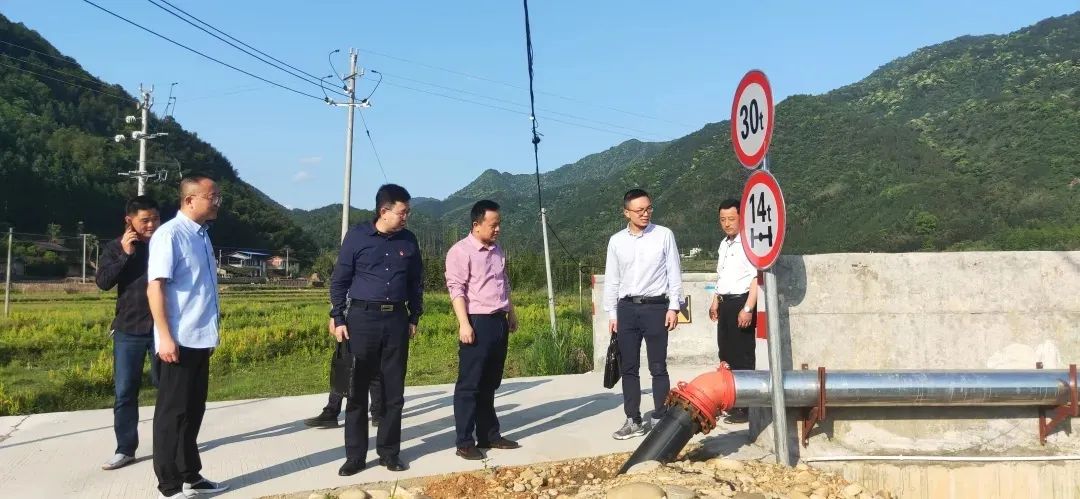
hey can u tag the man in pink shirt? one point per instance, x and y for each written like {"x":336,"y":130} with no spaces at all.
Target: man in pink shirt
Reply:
{"x":480,"y":293}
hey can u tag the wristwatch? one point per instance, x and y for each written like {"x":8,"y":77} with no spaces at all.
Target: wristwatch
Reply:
{"x":746,"y":309}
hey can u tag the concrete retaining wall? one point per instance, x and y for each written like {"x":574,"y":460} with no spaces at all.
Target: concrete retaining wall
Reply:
{"x":977,"y":310}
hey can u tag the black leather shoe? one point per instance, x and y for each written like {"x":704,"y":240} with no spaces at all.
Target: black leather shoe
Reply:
{"x":325,"y":419}
{"x":500,"y":443}
{"x":470,"y":453}
{"x":351,"y":467}
{"x":393,"y":463}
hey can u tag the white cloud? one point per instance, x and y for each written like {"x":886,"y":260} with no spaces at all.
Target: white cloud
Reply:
{"x":301,"y":176}
{"x":310,"y":160}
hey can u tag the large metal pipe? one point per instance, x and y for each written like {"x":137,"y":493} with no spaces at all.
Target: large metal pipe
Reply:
{"x":1033,"y":387}
{"x":693,"y":407}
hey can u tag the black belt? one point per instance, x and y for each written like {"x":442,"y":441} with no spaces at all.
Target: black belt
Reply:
{"x":733,"y":297}
{"x":496,"y":314}
{"x":645,"y":299}
{"x":382,"y":306}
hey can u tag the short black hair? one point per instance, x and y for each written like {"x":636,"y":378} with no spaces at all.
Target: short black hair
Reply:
{"x":388,"y":195}
{"x":480,"y":209}
{"x":140,"y":203}
{"x":633,"y":194}
{"x":193,"y":179}
{"x":728,"y":204}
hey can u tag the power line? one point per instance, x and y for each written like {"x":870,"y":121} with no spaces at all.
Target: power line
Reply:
{"x":508,"y":101}
{"x":125,"y":99}
{"x":372,"y":142}
{"x":519,"y":87}
{"x":59,"y":58}
{"x":50,"y":68}
{"x":174,"y":42}
{"x":311,"y":79}
{"x":501,"y":108}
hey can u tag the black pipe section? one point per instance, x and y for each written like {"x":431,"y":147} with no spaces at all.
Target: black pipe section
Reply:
{"x":664,"y":442}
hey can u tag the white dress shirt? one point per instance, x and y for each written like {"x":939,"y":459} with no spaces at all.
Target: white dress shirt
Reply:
{"x":734,"y":272}
{"x":645,"y":264}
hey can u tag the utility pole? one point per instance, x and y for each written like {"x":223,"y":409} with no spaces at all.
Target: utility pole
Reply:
{"x":547,"y":267}
{"x":287,"y":274}
{"x":350,"y":88}
{"x":144,"y":106}
{"x":84,"y":258}
{"x":146,"y":101}
{"x":7,"y":273}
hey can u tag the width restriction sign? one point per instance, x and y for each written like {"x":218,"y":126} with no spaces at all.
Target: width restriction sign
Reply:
{"x":763,"y":217}
{"x":752,"y":118}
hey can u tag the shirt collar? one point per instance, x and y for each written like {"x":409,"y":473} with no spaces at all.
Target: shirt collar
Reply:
{"x":189,"y":224}
{"x":477,"y":245}
{"x":648,"y":229}
{"x":732,"y":240}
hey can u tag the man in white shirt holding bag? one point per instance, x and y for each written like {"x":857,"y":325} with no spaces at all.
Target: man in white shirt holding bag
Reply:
{"x":642,"y":295}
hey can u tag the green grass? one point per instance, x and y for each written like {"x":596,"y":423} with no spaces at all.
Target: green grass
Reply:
{"x":56,"y":354}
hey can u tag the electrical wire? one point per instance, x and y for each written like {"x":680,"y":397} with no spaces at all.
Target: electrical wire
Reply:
{"x":174,"y":42}
{"x":127,"y":99}
{"x":372,"y":142}
{"x":511,"y":85}
{"x":306,"y":79}
{"x":515,"y":103}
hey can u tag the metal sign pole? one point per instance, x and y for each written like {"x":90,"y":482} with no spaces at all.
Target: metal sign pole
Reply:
{"x":776,"y":368}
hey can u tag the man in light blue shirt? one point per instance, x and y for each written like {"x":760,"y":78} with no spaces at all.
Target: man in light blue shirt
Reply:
{"x":182,"y":291}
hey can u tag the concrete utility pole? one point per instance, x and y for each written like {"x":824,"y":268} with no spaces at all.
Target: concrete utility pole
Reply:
{"x":145,"y":103}
{"x":7,"y":273}
{"x":84,"y":258}
{"x":350,"y":88}
{"x":144,"y":106}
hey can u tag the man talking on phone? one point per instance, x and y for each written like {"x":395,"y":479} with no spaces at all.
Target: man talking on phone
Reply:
{"x":123,"y":266}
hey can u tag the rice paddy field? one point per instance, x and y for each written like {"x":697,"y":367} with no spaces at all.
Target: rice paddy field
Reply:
{"x":56,"y":352}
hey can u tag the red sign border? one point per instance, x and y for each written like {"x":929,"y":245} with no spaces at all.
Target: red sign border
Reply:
{"x":763,"y":177}
{"x":752,"y":76}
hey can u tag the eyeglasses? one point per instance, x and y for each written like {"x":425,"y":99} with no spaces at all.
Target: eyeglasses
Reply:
{"x":648,"y":209}
{"x":215,"y":199}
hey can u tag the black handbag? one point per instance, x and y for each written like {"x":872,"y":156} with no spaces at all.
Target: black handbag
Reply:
{"x":343,"y":370}
{"x":611,"y":364}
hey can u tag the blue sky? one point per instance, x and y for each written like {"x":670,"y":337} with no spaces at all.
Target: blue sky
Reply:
{"x":627,"y":69}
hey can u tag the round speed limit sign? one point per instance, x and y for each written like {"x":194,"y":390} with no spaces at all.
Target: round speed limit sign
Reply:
{"x":763,"y":217}
{"x":752,"y":118}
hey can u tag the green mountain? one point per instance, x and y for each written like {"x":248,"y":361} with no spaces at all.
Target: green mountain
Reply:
{"x":969,"y":144}
{"x":60,"y":165}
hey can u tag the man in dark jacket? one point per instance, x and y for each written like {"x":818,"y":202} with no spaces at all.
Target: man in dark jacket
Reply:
{"x":123,"y":265}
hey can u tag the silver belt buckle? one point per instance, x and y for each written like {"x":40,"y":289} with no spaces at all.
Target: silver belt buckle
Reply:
{"x":386,"y":308}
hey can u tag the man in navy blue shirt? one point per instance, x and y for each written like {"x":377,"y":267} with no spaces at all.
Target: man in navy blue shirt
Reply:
{"x":378,"y":279}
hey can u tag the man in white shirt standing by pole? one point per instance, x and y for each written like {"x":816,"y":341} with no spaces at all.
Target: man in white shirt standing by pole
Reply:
{"x":642,"y":295}
{"x":734,"y":303}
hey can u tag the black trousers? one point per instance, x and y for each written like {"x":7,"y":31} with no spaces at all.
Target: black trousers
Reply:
{"x":637,"y":322}
{"x":736,"y":345}
{"x":333,"y":403}
{"x":480,"y":372}
{"x":178,"y":415}
{"x":381,"y":342}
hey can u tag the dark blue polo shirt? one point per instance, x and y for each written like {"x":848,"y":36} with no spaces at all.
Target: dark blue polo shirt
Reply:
{"x":380,"y":268}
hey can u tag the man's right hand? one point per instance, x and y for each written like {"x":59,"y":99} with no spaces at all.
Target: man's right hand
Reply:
{"x":168,"y":352}
{"x":714,"y":309}
{"x":127,"y":243}
{"x":341,"y":333}
{"x":613,"y":326}
{"x":466,"y":334}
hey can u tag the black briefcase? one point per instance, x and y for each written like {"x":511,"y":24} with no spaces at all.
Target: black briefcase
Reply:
{"x":611,"y":364}
{"x":343,"y":368}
